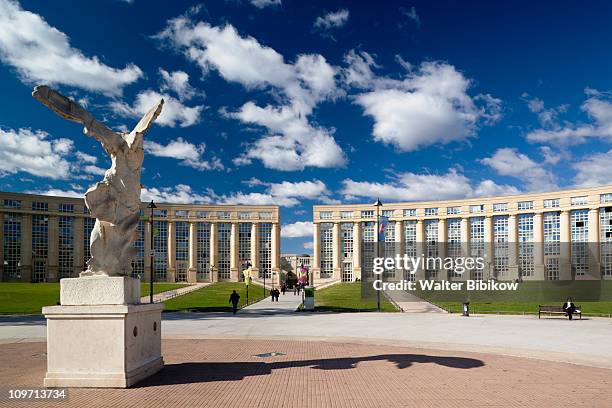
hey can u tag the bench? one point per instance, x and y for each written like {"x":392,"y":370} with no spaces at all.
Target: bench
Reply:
{"x":557,"y":310}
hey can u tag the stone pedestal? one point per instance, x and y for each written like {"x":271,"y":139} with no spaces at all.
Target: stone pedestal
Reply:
{"x":93,"y":344}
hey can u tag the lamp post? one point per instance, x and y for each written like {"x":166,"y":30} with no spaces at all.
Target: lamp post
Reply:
{"x":378,"y":204}
{"x":152,"y":206}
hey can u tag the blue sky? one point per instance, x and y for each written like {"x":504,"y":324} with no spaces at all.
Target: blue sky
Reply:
{"x":298,"y":103}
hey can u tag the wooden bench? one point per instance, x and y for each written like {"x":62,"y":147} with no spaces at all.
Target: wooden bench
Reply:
{"x":557,"y":310}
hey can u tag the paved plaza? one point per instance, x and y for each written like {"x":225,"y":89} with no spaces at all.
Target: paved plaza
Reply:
{"x":209,"y":373}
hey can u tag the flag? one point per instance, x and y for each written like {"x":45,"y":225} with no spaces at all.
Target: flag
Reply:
{"x":247,"y":276}
{"x":382,"y":225}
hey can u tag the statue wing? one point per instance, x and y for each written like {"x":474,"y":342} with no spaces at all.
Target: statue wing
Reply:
{"x":145,"y":123}
{"x":70,"y":110}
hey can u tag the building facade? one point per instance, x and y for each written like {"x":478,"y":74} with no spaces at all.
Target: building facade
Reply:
{"x":46,"y":238}
{"x":295,"y":261}
{"x":558,"y":235}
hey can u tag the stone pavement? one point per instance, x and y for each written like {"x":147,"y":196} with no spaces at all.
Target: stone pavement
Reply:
{"x":409,"y":303}
{"x":208,"y":373}
{"x":287,"y":304}
{"x":169,"y":294}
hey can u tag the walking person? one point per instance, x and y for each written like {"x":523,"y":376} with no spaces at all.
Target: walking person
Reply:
{"x":234,"y":299}
{"x":272,"y":294}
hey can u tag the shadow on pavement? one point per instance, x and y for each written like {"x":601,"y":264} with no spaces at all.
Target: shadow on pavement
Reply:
{"x":198,"y":372}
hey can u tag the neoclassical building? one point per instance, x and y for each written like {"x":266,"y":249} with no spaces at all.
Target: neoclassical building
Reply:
{"x":556,"y":235}
{"x":46,"y":238}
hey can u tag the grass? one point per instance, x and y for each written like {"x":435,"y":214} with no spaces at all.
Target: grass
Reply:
{"x":347,"y":297}
{"x":594,"y":298}
{"x":214,"y":298}
{"x":30,"y":298}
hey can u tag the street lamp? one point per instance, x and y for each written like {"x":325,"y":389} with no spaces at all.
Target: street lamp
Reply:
{"x":378,"y":204}
{"x":152,"y":206}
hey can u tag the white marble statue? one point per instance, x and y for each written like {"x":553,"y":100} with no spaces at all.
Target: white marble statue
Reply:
{"x":115,"y":201}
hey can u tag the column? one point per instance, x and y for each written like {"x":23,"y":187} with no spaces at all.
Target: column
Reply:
{"x":234,"y":252}
{"x":513,"y":268}
{"x":538,"y":248}
{"x":357,"y":250}
{"x":316,"y":252}
{"x":399,"y":246}
{"x":214,"y":271}
{"x":171,"y":270}
{"x":594,"y":260}
{"x":255,"y":249}
{"x":489,"y":254}
{"x":465,"y":245}
{"x":442,"y":238}
{"x":147,"y":252}
{"x":1,"y":247}
{"x":79,"y":253}
{"x":275,"y":249}
{"x":192,"y":272}
{"x":26,"y":248}
{"x":336,"y":251}
{"x":565,"y":264}
{"x":53,"y":249}
{"x":420,"y":248}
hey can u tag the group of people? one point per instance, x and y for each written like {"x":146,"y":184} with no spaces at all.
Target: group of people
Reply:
{"x":274,"y":294}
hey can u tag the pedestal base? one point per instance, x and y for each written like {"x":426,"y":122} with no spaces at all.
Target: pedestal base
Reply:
{"x":105,"y":346}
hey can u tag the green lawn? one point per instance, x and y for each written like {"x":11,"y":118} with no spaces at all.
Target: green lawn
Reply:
{"x":214,"y":298}
{"x":347,"y":297}
{"x":29,"y":298}
{"x":594,"y":297}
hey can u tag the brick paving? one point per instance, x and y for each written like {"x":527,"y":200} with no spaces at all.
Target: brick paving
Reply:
{"x":213,"y":373}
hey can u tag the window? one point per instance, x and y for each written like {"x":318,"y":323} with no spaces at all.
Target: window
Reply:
{"x":500,"y":242}
{"x":182,"y":240}
{"x":346,"y":235}
{"x":244,"y":247}
{"x":40,"y":246}
{"x":367,"y":214}
{"x":138,"y":261}
{"x":387,"y":213}
{"x":66,"y":247}
{"x":224,"y":215}
{"x":266,"y":215}
{"x":453,"y":231}
{"x":525,"y":237}
{"x":201,"y":214}
{"x":368,"y":248}
{"x":410,"y":245}
{"x":604,"y":198}
{"x":552,"y":203}
{"x":431,"y":211}
{"x":325,"y":215}
{"x":157,"y":213}
{"x":223,"y":250}
{"x":12,"y":245}
{"x":552,"y":268}
{"x":410,"y":212}
{"x":181,"y":214}
{"x":16,"y":203}
{"x":327,"y":250}
{"x":582,"y":200}
{"x":580,"y":239}
{"x":346,"y":214}
{"x":265,"y":250}
{"x":88,"y":224}
{"x":500,"y":207}
{"x":66,"y":208}
{"x":39,"y":206}
{"x":477,"y":243}
{"x":160,"y":247}
{"x":244,"y":215}
{"x":453,"y":210}
{"x":525,"y":205}
{"x":552,"y":234}
{"x":203,"y":251}
{"x":475,"y":209}
{"x":605,"y":225}
{"x":431,"y":237}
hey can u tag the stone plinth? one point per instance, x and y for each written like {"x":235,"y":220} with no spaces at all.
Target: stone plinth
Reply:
{"x":99,"y":290}
{"x":101,"y":336}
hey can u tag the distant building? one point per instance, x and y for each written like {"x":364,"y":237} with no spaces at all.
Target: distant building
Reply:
{"x":46,"y":238}
{"x":294,"y":261}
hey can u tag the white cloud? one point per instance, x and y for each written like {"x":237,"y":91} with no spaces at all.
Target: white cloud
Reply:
{"x":510,"y":162}
{"x":178,"y":82}
{"x":285,"y":193}
{"x":593,"y":170}
{"x":42,"y":54}
{"x":257,"y":199}
{"x":266,"y":3}
{"x":308,"y":245}
{"x":34,"y":152}
{"x":179,"y":194}
{"x":411,"y":14}
{"x":420,"y":187}
{"x":597,"y":107}
{"x":297,"y":229}
{"x":332,"y":19}
{"x":430,"y":105}
{"x":292,"y":142}
{"x":188,"y":153}
{"x":174,"y":112}
{"x":55,"y":192}
{"x":87,"y":158}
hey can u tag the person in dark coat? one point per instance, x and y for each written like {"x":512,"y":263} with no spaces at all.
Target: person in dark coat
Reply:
{"x":272,"y":294}
{"x":234,"y":299}
{"x":284,"y":288}
{"x":569,"y":308}
{"x":276,"y":293}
